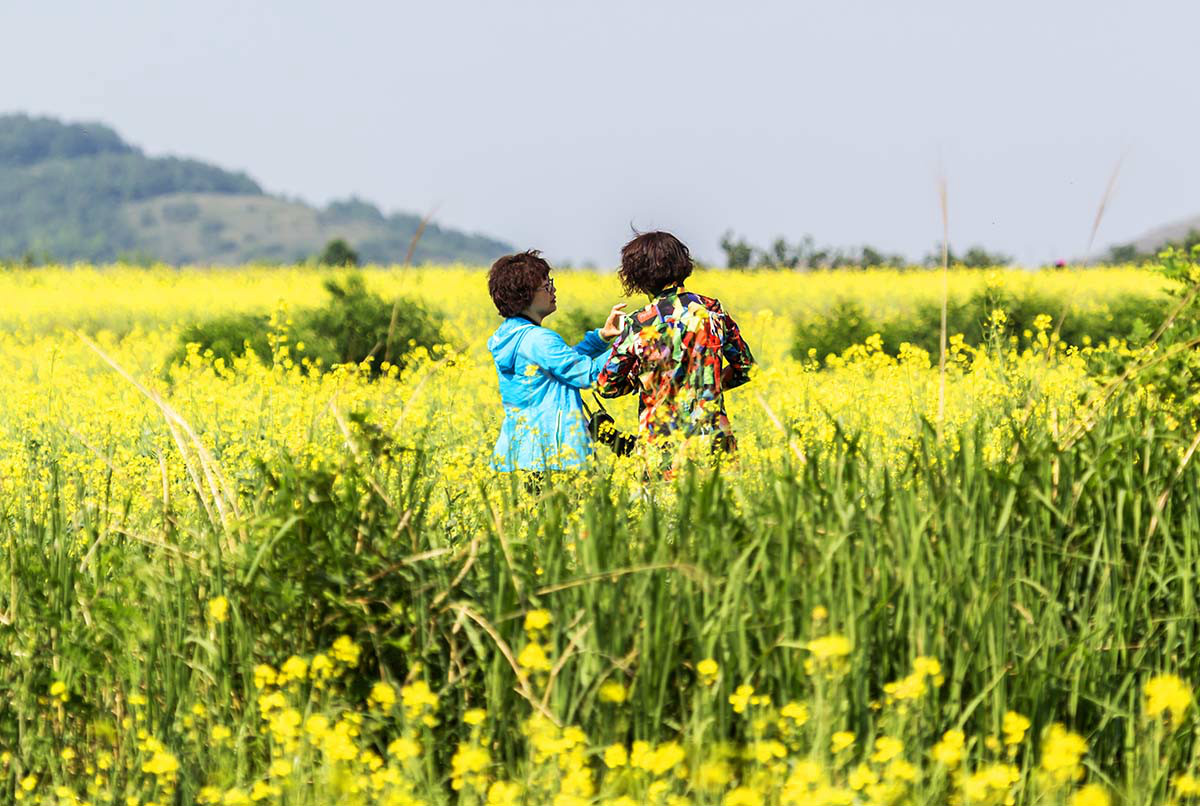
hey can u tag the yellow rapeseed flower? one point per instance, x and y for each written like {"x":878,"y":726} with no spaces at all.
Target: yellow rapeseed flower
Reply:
{"x":829,"y":647}
{"x":1090,"y":795}
{"x":929,"y":667}
{"x":886,"y":748}
{"x":418,"y":697}
{"x":537,"y":620}
{"x":294,"y":668}
{"x":742,"y":796}
{"x":234,"y":796}
{"x":161,"y":764}
{"x":345,"y":651}
{"x":316,"y":726}
{"x":615,"y":756}
{"x":404,"y":748}
{"x":828,"y":654}
{"x":861,"y":777}
{"x":1186,"y":784}
{"x":465,"y":765}
{"x":949,"y":751}
{"x":841,"y":740}
{"x":208,"y":794}
{"x":320,"y":669}
{"x":1167,"y":693}
{"x":1062,"y":753}
{"x":261,"y":790}
{"x":713,"y":775}
{"x":533,"y":657}
{"x":504,"y":793}
{"x":612,"y":691}
{"x":1014,"y":727}
{"x":264,"y":676}
{"x":766,"y":751}
{"x":218,"y":609}
{"x":382,"y":696}
{"x":740,"y":698}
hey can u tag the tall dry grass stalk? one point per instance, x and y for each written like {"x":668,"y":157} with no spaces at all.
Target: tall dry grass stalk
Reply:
{"x":1087,"y":252}
{"x":945,"y":204}
{"x":408,"y":256}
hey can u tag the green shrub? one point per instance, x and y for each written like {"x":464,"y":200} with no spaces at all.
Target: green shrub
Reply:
{"x":226,"y":336}
{"x":847,"y":323}
{"x":574,"y":323}
{"x":353,"y":326}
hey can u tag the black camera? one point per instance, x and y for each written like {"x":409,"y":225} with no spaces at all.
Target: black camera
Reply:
{"x":603,"y":429}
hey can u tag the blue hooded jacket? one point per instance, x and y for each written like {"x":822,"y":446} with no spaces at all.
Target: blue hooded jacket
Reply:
{"x":540,"y":379}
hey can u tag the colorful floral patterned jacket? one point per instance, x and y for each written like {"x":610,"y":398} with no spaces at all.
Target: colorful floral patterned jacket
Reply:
{"x":672,"y":353}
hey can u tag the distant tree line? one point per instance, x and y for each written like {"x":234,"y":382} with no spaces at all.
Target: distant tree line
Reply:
{"x":806,"y":254}
{"x":1129,"y":253}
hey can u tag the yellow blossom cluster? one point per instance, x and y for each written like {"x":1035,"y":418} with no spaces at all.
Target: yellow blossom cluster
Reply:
{"x":95,"y":412}
{"x":323,"y":746}
{"x":111,"y":410}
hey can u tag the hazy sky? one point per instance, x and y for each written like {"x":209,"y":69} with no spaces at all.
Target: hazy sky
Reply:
{"x":558,"y":125}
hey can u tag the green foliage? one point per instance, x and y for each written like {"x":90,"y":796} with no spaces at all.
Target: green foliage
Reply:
{"x":847,"y":323}
{"x":335,"y":564}
{"x":574,"y":323}
{"x":738,"y":253}
{"x":338,"y":253}
{"x":72,"y":207}
{"x":976,"y":257}
{"x":1124,"y":253}
{"x":353,"y":326}
{"x":843,"y":325}
{"x":357,"y":324}
{"x":1032,"y":580}
{"x":1129,"y":253}
{"x":1171,"y":368}
{"x":804,"y":254}
{"x":226,"y":337}
{"x":62,"y":187}
{"x":27,"y":140}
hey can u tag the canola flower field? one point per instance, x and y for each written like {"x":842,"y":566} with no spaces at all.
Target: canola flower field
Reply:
{"x":250,"y":581}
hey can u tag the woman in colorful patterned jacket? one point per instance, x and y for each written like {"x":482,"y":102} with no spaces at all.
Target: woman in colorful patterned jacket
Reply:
{"x":540,"y":375}
{"x":680,"y":353}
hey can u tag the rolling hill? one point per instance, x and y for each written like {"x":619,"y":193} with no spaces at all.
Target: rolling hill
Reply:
{"x":80,"y":192}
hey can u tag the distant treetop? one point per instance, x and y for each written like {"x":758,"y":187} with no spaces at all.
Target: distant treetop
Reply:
{"x":27,"y":140}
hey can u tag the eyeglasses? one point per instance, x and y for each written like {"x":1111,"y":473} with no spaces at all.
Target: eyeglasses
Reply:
{"x":548,"y":285}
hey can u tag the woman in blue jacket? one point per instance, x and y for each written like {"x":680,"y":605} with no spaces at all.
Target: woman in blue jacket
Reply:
{"x":540,"y":375}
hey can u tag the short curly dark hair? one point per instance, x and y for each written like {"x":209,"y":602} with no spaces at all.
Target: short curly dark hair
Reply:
{"x":653,"y":262}
{"x":514,"y":279}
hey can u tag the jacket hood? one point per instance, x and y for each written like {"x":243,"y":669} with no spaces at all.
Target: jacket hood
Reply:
{"x":503,"y":343}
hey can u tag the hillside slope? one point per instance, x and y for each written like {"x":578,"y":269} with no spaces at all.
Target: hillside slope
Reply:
{"x":79,"y":192}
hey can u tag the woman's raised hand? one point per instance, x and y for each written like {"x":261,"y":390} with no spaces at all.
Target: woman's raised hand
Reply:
{"x":614,"y":323}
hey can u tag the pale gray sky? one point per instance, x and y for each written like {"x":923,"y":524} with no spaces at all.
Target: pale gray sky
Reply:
{"x":559,"y":124}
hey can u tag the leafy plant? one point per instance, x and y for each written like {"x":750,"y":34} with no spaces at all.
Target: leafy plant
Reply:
{"x":355,"y":325}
